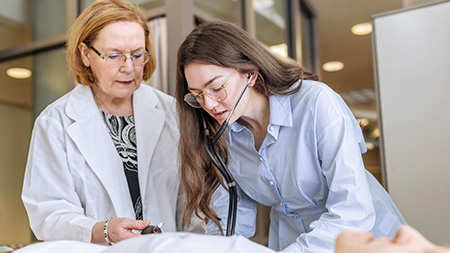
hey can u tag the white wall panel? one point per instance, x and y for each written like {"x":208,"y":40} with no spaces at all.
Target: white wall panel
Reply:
{"x":412,"y":59}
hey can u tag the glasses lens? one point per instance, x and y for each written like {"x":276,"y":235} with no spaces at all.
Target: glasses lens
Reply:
{"x":217,"y":93}
{"x":193,"y":100}
{"x":139,"y":58}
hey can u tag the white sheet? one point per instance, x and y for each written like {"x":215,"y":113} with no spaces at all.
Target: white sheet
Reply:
{"x":165,"y":242}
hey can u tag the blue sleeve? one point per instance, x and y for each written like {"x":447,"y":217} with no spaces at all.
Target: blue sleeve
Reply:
{"x":349,"y":204}
{"x":245,"y":215}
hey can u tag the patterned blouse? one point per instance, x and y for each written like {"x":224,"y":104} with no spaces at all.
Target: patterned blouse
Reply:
{"x":123,"y":134}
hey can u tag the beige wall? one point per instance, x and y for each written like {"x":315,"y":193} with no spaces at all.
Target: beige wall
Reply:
{"x":15,"y":131}
{"x":15,"y":134}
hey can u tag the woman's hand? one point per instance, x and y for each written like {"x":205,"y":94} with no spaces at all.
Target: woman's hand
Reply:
{"x":118,"y":229}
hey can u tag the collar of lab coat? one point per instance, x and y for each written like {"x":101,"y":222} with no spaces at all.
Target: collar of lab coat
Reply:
{"x":89,"y":133}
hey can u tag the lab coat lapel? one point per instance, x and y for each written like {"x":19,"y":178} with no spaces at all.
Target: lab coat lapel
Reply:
{"x":149,"y":122}
{"x":90,"y":135}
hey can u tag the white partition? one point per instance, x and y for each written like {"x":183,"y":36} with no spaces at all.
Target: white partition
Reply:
{"x":412,"y":60}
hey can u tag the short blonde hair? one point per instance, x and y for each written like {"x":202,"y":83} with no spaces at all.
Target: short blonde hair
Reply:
{"x":91,"y":21}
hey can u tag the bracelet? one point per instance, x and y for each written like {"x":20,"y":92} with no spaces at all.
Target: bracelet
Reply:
{"x":105,"y":231}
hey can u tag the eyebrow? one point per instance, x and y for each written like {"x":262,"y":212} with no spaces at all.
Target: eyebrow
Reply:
{"x":207,"y":83}
{"x":118,"y":50}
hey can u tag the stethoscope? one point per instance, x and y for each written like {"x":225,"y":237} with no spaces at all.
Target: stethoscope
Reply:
{"x":209,"y":144}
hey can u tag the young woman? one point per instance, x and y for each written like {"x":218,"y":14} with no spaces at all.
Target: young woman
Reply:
{"x":292,"y":144}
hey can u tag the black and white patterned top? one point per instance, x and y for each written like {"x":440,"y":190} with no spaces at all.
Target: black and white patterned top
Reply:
{"x":123,"y":133}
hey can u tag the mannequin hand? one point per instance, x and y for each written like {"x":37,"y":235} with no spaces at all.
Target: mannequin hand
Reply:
{"x":407,"y":240}
{"x":416,"y":241}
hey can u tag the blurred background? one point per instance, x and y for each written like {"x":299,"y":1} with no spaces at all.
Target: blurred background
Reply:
{"x":317,"y":33}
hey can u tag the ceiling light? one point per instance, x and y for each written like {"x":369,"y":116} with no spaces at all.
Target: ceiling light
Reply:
{"x":375,"y":133}
{"x":363,"y":122}
{"x":280,"y":49}
{"x":370,"y":145}
{"x":18,"y":73}
{"x":332,"y":66}
{"x":259,"y":4}
{"x":362,"y":29}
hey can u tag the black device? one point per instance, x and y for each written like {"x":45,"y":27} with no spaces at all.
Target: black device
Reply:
{"x":152,"y":229}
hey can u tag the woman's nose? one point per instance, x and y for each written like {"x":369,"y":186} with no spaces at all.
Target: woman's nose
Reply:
{"x":128,"y":65}
{"x":209,"y":103}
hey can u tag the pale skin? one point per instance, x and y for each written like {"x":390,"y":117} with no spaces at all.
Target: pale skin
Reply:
{"x":113,"y":94}
{"x":116,"y":84}
{"x":407,"y":240}
{"x":253,"y":110}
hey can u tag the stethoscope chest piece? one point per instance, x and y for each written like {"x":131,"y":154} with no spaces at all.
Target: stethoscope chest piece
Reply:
{"x":152,"y":229}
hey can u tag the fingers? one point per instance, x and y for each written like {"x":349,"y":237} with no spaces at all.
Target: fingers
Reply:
{"x":355,"y":236}
{"x":141,"y":224}
{"x":403,"y":235}
{"x":407,"y":235}
{"x":351,"y":241}
{"x":122,"y":228}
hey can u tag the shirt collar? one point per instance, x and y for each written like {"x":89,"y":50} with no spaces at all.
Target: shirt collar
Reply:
{"x":280,"y":111}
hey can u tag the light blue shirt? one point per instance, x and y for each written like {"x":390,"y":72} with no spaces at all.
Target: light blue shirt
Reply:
{"x":309,"y":169}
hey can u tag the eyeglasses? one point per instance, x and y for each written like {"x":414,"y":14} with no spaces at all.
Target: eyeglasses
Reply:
{"x":214,"y":91}
{"x":117,"y":59}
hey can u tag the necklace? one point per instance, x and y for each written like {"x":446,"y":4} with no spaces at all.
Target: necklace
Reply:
{"x":124,"y":152}
{"x":104,"y":107}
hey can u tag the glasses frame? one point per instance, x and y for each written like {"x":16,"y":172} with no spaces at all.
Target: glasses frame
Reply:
{"x":105,"y":57}
{"x":209,"y":93}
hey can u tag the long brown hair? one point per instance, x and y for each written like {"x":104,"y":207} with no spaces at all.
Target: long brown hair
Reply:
{"x":91,"y":21}
{"x":227,"y":45}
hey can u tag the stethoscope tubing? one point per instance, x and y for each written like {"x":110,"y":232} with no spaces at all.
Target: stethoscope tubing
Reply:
{"x":221,"y":166}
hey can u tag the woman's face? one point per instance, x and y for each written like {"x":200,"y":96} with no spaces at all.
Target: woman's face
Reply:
{"x":116,"y":82}
{"x":200,"y":76}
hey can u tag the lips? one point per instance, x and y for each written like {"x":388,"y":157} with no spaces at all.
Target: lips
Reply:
{"x":126,"y":82}
{"x":220,"y":115}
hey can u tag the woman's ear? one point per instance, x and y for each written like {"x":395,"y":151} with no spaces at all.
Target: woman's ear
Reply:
{"x":84,"y":52}
{"x":255,"y":75}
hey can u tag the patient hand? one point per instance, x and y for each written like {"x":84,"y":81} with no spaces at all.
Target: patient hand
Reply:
{"x":354,"y":242}
{"x":407,"y":240}
{"x":409,"y":236}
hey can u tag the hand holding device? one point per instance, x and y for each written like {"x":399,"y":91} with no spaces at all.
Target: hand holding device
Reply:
{"x":152,"y":229}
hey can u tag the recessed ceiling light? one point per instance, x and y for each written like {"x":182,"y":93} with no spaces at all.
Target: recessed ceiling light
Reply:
{"x":362,"y":29}
{"x":332,"y":66}
{"x":259,"y":4}
{"x":370,"y":145}
{"x":18,"y":73}
{"x":363,"y":122}
{"x":280,"y":49}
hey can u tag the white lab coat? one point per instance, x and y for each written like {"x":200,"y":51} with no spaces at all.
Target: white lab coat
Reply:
{"x":75,"y":177}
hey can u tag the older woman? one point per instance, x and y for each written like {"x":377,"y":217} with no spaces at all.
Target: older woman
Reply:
{"x":107,"y":149}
